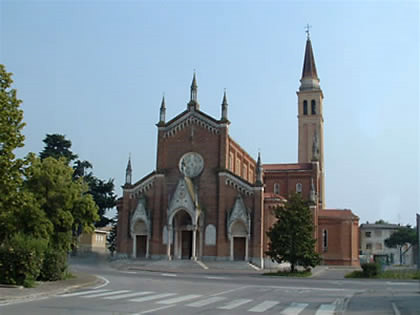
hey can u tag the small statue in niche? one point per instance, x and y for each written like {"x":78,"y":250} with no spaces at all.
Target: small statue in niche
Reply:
{"x":315,"y":147}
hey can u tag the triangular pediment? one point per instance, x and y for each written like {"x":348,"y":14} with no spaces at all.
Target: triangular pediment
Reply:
{"x":140,"y":213}
{"x":182,"y":198}
{"x":187,"y":118}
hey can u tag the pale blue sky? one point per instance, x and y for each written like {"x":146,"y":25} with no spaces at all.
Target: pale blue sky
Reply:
{"x":96,"y":70}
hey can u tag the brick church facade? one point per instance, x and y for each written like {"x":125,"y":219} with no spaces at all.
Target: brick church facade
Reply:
{"x":208,"y":199}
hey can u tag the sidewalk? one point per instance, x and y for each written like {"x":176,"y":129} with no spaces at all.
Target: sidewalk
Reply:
{"x":14,"y":294}
{"x":184,"y":266}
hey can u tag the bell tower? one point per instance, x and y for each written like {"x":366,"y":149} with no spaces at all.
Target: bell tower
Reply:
{"x":310,"y":117}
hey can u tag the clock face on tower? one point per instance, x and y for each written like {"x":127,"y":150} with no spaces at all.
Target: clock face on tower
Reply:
{"x":191,"y":164}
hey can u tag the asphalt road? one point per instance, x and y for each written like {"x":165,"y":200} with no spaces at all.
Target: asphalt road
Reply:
{"x":140,"y":292}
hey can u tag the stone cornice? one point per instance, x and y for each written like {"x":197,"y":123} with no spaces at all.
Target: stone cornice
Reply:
{"x":142,"y":186}
{"x":239,"y":184}
{"x":191,"y":117}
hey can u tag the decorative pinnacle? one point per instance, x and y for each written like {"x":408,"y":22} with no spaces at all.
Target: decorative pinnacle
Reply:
{"x":194,"y":81}
{"x":163,"y":105}
{"x":224,"y":102}
{"x":129,"y":163}
{"x":194,"y":89}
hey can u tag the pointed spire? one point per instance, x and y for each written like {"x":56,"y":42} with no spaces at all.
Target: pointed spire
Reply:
{"x":128,"y":171}
{"x":259,"y":179}
{"x":224,"y":107}
{"x":162,"y":111}
{"x":309,"y":67}
{"x":193,"y":104}
{"x":194,"y":89}
{"x":309,"y":78}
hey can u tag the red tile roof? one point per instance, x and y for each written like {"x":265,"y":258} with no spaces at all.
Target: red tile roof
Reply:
{"x":338,"y":213}
{"x":287,"y":167}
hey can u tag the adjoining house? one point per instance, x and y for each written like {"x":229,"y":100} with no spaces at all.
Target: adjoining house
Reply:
{"x":373,"y":248}
{"x":94,"y":242}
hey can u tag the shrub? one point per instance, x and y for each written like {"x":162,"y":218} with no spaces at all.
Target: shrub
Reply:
{"x":21,"y":259}
{"x":54,"y":266}
{"x":370,"y":269}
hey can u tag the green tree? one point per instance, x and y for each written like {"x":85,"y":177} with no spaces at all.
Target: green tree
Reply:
{"x":65,"y":201}
{"x":291,"y":237}
{"x":57,"y":146}
{"x":103,"y":194}
{"x":112,"y":237}
{"x":11,"y":138}
{"x":404,"y":235}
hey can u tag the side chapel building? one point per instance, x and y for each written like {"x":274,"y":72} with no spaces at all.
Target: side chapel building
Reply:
{"x":209,"y":199}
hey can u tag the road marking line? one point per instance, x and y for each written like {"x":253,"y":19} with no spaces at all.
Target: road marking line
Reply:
{"x":180,"y":299}
{"x":262,"y":307}
{"x":326,"y":309}
{"x":154,"y":310}
{"x":294,"y":309}
{"x":395,"y":308}
{"x":231,"y":290}
{"x":207,"y":301}
{"x":234,"y":304}
{"x":202,"y":265}
{"x":398,"y":283}
{"x":123,"y":296}
{"x":307,"y":288}
{"x":216,"y":278}
{"x":152,"y":297}
{"x":103,"y":284}
{"x":254,"y":267}
{"x":89,"y":296}
{"x":81,"y":293}
{"x":168,"y":274}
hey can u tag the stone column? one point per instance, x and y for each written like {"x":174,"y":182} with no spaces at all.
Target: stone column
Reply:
{"x":147,"y":246}
{"x":134,"y":252}
{"x":231,"y":248}
{"x":201,"y":239}
{"x":168,"y":246}
{"x":246,"y":248}
{"x":194,"y":243}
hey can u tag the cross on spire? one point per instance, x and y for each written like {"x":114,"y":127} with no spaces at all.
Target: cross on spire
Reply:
{"x":307,"y":28}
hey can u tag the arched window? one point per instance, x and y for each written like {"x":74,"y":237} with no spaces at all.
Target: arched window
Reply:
{"x":277,"y":188}
{"x":305,"y":107}
{"x":313,"y":107}
{"x":324,"y":240}
{"x":298,"y":187}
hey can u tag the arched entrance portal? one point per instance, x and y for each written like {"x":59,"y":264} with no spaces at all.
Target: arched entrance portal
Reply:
{"x":238,"y":241}
{"x":184,"y":234}
{"x":140,"y":240}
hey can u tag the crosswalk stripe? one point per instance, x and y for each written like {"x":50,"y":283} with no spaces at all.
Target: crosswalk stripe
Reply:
{"x":180,"y":299}
{"x":152,"y":297}
{"x":123,"y":296}
{"x":207,"y":301}
{"x":326,"y":309}
{"x":81,"y":293}
{"x":89,"y":296}
{"x":262,"y":307}
{"x":294,"y":309}
{"x":234,"y":304}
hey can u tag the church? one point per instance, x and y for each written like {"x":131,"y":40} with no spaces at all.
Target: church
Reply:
{"x":208,"y":199}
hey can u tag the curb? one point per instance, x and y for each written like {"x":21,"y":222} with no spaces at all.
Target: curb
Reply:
{"x":8,"y":300}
